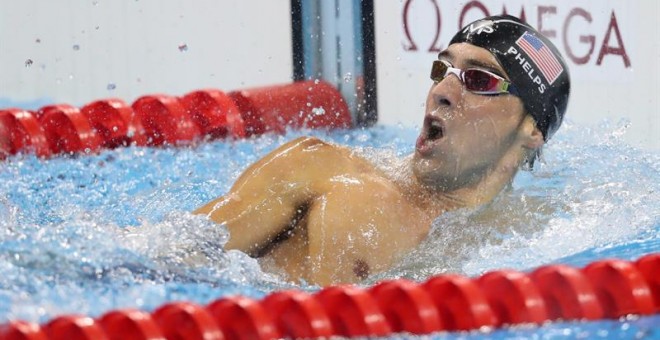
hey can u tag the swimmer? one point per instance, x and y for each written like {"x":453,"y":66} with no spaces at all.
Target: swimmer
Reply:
{"x":326,"y":215}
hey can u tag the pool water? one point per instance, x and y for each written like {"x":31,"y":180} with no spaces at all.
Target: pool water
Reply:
{"x":90,"y":233}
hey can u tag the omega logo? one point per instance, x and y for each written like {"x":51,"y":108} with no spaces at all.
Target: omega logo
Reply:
{"x":611,"y":45}
{"x":412,"y":46}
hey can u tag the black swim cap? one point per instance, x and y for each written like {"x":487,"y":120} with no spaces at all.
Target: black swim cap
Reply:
{"x":532,"y":62}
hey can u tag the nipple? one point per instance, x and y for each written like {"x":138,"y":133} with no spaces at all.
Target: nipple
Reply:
{"x":361,"y":269}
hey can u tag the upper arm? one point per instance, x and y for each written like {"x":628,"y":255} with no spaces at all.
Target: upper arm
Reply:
{"x":265,"y":198}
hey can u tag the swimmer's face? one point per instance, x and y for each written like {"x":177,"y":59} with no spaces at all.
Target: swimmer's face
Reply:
{"x":465,"y":135}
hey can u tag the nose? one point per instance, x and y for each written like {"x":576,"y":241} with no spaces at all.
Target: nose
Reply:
{"x":447,"y":92}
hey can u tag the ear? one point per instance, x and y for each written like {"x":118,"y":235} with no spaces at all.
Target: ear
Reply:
{"x":532,"y":137}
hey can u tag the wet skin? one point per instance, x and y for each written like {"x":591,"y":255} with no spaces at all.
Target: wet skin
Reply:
{"x":321,"y":213}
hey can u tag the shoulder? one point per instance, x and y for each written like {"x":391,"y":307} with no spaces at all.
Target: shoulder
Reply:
{"x":309,"y":144}
{"x":305,"y":141}
{"x":301,"y":144}
{"x":314,"y":147}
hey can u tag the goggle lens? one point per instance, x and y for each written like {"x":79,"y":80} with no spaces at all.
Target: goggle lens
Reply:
{"x":438,"y":70}
{"x":476,"y":80}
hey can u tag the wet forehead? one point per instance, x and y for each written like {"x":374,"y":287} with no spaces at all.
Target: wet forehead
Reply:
{"x":464,"y":55}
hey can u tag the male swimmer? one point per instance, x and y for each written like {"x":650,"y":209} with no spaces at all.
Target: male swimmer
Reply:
{"x":326,"y":215}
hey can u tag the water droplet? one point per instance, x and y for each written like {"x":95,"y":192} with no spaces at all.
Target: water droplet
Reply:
{"x":76,"y":47}
{"x":71,"y":76}
{"x":88,"y":150}
{"x":318,"y":111}
{"x":95,"y":3}
{"x":316,"y":81}
{"x":115,"y":128}
{"x":183,"y":47}
{"x":111,"y":86}
{"x":309,"y":104}
{"x":28,"y":62}
{"x":348,"y":77}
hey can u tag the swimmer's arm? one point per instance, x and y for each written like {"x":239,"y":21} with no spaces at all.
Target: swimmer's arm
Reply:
{"x":254,"y":222}
{"x":267,"y":197}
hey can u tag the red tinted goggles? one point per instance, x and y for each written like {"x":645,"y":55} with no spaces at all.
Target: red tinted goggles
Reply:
{"x":476,"y":80}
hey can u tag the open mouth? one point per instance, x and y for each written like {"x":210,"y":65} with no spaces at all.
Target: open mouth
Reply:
{"x":433,"y":131}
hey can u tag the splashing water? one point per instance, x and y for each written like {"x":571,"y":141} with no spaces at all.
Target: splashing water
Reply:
{"x":114,"y":230}
{"x":348,"y":77}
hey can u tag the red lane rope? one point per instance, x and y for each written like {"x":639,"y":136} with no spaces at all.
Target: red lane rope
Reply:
{"x":159,"y":119}
{"x":603,"y":289}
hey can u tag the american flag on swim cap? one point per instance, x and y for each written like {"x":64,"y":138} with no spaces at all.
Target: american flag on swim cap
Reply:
{"x":541,"y":56}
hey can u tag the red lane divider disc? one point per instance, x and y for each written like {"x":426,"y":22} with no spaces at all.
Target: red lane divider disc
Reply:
{"x":67,"y":129}
{"x":353,"y":312}
{"x":567,"y":293}
{"x":649,"y":266}
{"x":513,"y":297}
{"x":115,"y":122}
{"x":73,"y":327}
{"x":460,"y":302}
{"x":165,"y":120}
{"x":21,"y":330}
{"x":304,"y":104}
{"x":185,"y":320}
{"x":620,"y":287}
{"x":20,"y":131}
{"x":242,"y":318}
{"x":299,"y":315}
{"x":130,"y":324}
{"x":215,"y":113}
{"x":407,"y":307}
